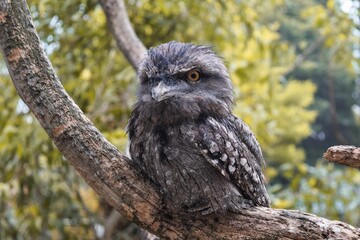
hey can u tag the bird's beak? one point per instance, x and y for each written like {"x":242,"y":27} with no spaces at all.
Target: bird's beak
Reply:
{"x":162,"y":91}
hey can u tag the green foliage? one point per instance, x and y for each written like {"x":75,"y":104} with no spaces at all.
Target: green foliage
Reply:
{"x":36,"y":183}
{"x":42,"y":197}
{"x":41,"y":194}
{"x":328,"y":36}
{"x":323,"y":190}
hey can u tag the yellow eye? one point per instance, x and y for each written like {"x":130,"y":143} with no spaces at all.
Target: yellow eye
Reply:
{"x":193,"y":75}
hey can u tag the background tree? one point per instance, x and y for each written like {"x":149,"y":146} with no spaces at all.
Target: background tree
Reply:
{"x":326,"y":41}
{"x":34,"y":197}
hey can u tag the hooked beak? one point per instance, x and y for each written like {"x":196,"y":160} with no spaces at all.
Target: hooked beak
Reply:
{"x":162,"y":91}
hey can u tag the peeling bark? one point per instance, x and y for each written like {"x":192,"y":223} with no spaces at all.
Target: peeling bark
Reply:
{"x":346,"y":155}
{"x":110,"y":173}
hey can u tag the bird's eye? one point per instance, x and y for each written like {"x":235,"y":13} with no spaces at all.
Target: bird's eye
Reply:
{"x":193,"y":75}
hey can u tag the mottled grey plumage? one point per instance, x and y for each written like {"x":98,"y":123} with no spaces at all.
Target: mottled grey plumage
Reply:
{"x":184,"y":137}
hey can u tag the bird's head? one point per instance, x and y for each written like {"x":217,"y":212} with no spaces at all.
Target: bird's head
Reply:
{"x":187,"y":78}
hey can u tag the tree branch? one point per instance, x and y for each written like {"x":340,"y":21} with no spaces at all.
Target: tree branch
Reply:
{"x":120,"y":26}
{"x":110,"y":173}
{"x":346,"y":155}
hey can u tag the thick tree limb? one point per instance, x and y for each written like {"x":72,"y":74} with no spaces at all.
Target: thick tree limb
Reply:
{"x":110,"y":174}
{"x":126,"y":39}
{"x":346,"y":155}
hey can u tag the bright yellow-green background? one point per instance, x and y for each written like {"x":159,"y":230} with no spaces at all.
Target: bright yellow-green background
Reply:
{"x":283,"y":98}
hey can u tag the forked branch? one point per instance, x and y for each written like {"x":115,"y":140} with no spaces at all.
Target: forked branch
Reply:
{"x":110,"y":174}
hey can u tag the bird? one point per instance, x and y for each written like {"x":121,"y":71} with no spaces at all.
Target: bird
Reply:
{"x":184,"y":138}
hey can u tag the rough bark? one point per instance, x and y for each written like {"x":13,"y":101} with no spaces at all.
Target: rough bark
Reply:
{"x":129,"y":44}
{"x":110,"y":174}
{"x":346,"y":155}
{"x":126,"y":39}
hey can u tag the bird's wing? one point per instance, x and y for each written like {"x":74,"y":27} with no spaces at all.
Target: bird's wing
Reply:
{"x":244,"y":133}
{"x":231,"y":147}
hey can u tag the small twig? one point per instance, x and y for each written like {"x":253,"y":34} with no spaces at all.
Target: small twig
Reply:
{"x":346,"y":155}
